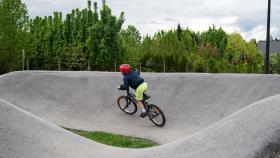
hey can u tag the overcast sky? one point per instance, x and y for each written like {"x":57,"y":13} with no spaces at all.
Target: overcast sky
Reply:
{"x":245,"y":16}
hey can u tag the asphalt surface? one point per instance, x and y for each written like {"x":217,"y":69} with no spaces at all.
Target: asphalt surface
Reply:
{"x":208,"y":115}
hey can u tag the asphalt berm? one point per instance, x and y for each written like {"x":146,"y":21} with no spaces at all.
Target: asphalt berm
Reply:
{"x":208,"y":115}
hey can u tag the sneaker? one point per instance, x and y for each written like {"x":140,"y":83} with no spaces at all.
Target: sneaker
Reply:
{"x":143,"y":114}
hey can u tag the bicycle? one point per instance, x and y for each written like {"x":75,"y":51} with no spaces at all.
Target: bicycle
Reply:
{"x":128,"y":104}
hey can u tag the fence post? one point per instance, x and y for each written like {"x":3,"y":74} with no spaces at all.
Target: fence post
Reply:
{"x":27,"y":62}
{"x":207,"y":68}
{"x":115,"y":66}
{"x":59,"y":64}
{"x":23,"y":58}
{"x":164,"y":66}
{"x":88,"y":66}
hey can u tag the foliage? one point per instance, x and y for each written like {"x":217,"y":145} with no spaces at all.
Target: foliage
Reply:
{"x":275,"y":63}
{"x":216,"y":38}
{"x":242,"y":57}
{"x":93,"y":39}
{"x":13,"y":31}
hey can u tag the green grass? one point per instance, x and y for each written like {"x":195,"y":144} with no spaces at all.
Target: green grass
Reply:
{"x":115,"y":139}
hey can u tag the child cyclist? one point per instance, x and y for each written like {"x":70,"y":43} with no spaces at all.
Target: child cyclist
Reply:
{"x":132,"y":79}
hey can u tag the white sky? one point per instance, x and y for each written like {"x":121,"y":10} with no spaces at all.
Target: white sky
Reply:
{"x":245,"y":16}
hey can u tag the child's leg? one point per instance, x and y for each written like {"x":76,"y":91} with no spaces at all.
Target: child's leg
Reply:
{"x":139,"y":95}
{"x":140,"y":105}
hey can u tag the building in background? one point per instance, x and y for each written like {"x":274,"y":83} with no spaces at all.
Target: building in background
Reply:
{"x":274,"y":47}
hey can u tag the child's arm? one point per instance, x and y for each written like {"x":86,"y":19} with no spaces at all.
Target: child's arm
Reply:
{"x":125,"y":86}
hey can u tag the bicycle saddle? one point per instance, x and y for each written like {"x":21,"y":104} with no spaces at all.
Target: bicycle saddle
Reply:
{"x":146,"y":97}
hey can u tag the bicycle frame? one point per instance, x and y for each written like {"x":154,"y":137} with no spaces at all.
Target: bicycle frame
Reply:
{"x":132,"y":97}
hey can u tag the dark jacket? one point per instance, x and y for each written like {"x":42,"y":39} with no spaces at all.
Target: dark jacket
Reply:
{"x":132,"y":79}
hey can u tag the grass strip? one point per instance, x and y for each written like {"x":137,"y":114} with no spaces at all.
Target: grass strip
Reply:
{"x":114,"y":139}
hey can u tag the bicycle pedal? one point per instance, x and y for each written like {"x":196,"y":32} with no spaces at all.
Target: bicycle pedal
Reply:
{"x":143,"y":115}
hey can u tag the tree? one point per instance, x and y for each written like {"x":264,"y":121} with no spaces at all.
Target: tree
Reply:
{"x":103,"y":39}
{"x":216,"y":38}
{"x":130,"y":42}
{"x":235,"y":49}
{"x":275,"y":64}
{"x":253,"y":57}
{"x":93,"y":38}
{"x":179,"y":32}
{"x":13,"y":28}
{"x":73,"y":59}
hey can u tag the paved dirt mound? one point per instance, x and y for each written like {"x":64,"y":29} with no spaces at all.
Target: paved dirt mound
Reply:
{"x":208,"y":115}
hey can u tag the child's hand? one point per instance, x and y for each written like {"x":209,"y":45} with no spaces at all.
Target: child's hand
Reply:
{"x":121,"y":87}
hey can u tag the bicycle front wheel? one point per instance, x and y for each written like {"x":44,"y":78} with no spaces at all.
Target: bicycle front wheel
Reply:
{"x":156,"y":115}
{"x":127,"y":105}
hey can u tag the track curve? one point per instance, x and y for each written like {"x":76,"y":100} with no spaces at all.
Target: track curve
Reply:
{"x":208,"y":115}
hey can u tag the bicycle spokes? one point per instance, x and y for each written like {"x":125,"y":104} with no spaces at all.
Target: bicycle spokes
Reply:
{"x":156,"y":115}
{"x":127,"y":105}
{"x":153,"y":114}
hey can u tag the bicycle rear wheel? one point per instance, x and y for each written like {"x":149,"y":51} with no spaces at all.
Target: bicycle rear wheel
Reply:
{"x":156,"y":115}
{"x":127,"y":105}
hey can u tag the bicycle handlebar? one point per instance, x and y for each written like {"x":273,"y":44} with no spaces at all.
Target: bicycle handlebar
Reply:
{"x":123,"y":89}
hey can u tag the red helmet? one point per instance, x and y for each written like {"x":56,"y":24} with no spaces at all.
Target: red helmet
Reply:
{"x":125,"y":68}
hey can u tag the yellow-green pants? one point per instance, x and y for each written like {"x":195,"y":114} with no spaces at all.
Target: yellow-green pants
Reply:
{"x":140,"y":90}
